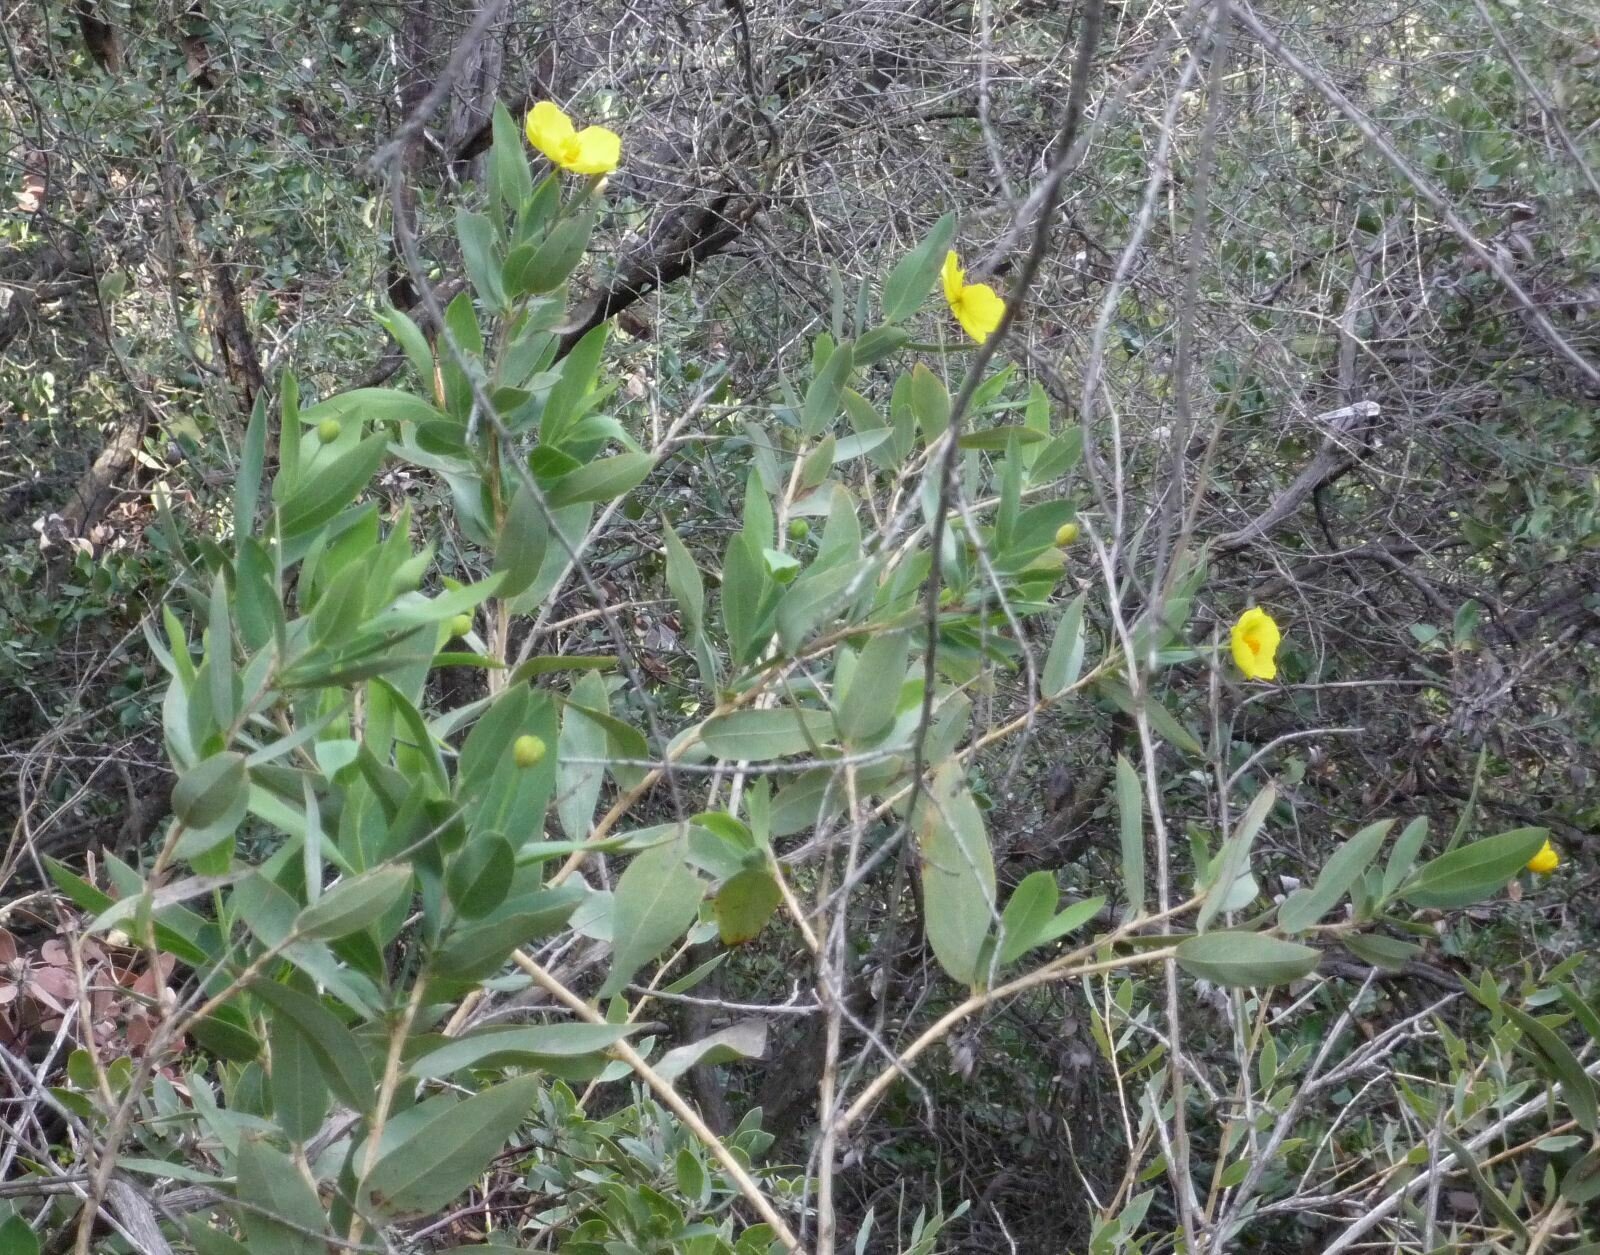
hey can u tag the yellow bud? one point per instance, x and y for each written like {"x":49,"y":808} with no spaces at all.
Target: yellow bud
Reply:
{"x":328,"y":430}
{"x":460,"y":625}
{"x":528,"y":750}
{"x":1066,"y":534}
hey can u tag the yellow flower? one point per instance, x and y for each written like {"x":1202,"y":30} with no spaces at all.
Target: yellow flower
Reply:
{"x":1255,"y":644}
{"x":593,"y":150}
{"x":976,"y":306}
{"x":1545,"y":861}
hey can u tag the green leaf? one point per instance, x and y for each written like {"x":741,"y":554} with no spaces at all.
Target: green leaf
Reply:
{"x":998,"y":438}
{"x":1581,"y":1183}
{"x":683,"y":579}
{"x":744,"y":1040}
{"x":604,"y":480}
{"x":1496,"y":1201}
{"x":1233,"y":860}
{"x":1388,"y":953}
{"x":226,"y":1034}
{"x":480,"y":875}
{"x":582,"y":737}
{"x":574,"y":387}
{"x":817,"y":464}
{"x":209,"y":791}
{"x":1070,"y":920}
{"x":299,"y":1093}
{"x":1162,"y":720}
{"x":344,"y":1064}
{"x":930,"y":402}
{"x":1585,"y":1014}
{"x":1130,"y":828}
{"x":553,"y":664}
{"x":219,"y":655}
{"x":503,"y":1046}
{"x":879,"y":343}
{"x":481,"y":950}
{"x":437,"y":1157}
{"x":1559,"y":1062}
{"x":1246,"y":960}
{"x":252,"y":459}
{"x":16,"y":1238}
{"x":522,"y":544}
{"x":744,"y":904}
{"x":327,"y":491}
{"x":341,"y":606}
{"x":958,"y":883}
{"x":1028,"y":912}
{"x":1064,"y":663}
{"x":690,"y":1176}
{"x":809,"y":800}
{"x":1055,"y":459}
{"x":412,"y":343}
{"x":509,"y":165}
{"x":874,"y":689}
{"x":1304,"y":907}
{"x":824,"y":396}
{"x":1472,"y":872}
{"x":274,"y":1192}
{"x":205,"y":1239}
{"x":546,"y":267}
{"x":477,"y":237}
{"x":657,"y":897}
{"x":744,"y":582}
{"x":1406,"y":847}
{"x":814,"y":598}
{"x":355,"y":902}
{"x":288,"y":476}
{"x":757,"y":735}
{"x":915,"y":274}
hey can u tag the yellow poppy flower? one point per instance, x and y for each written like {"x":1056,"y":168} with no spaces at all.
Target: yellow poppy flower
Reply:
{"x":593,"y":150}
{"x":976,"y":306}
{"x":1255,"y":644}
{"x":1545,"y":861}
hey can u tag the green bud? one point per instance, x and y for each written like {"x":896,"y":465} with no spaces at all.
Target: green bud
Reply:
{"x":528,"y":750}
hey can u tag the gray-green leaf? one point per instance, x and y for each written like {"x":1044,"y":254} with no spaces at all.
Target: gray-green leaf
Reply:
{"x":440,"y":1156}
{"x":1242,"y":960}
{"x":656,"y":899}
{"x":1473,"y":872}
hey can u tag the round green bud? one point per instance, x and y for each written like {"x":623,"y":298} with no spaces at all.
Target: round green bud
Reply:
{"x":528,"y":750}
{"x":460,"y":625}
{"x":1066,"y":534}
{"x":799,"y":529}
{"x":328,"y":430}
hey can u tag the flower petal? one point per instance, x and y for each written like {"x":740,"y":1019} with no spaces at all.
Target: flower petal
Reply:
{"x":954,"y":278}
{"x":549,"y":129}
{"x":1254,"y":640}
{"x":598,"y":151}
{"x":979,"y":311}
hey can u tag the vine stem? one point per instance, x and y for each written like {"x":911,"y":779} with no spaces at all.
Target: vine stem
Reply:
{"x":386,"y":1091}
{"x":1066,"y":967}
{"x":665,"y":1091}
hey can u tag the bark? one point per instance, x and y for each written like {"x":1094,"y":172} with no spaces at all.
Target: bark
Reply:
{"x":99,"y":36}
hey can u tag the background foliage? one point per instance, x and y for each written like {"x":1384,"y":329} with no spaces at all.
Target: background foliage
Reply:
{"x":847,"y":758}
